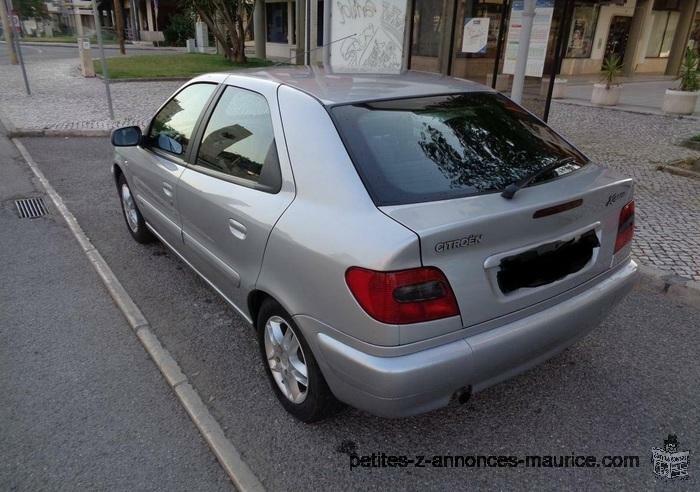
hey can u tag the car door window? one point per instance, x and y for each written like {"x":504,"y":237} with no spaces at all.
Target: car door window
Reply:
{"x":172,"y":127}
{"x":239,"y":140}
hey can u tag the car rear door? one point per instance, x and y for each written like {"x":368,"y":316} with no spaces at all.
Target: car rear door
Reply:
{"x":162,"y":158}
{"x":236,"y":186}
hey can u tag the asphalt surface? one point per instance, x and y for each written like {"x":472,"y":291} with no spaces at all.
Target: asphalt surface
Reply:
{"x":34,"y":53}
{"x":620,"y":391}
{"x":82,"y":405}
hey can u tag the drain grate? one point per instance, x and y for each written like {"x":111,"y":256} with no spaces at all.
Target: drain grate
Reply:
{"x":31,"y":208}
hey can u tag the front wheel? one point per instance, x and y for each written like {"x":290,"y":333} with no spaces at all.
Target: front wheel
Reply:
{"x":291,"y":367}
{"x":132,"y":215}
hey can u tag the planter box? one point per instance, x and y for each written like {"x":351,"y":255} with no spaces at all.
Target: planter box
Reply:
{"x":605,"y":97}
{"x":679,"y":102}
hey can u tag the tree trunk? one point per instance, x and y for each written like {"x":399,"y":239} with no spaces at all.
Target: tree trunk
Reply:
{"x":119,"y":24}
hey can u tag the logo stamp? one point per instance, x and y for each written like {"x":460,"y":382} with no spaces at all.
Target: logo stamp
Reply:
{"x":668,"y":461}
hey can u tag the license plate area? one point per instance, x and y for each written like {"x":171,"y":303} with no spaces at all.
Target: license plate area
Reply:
{"x":546,"y":263}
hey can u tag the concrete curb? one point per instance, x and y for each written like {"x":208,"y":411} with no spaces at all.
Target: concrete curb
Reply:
{"x":13,"y":132}
{"x":683,"y":289}
{"x":678,"y":171}
{"x":626,"y":109}
{"x":230,"y":459}
{"x":108,"y":46}
{"x":49,"y":132}
{"x":151,"y":79}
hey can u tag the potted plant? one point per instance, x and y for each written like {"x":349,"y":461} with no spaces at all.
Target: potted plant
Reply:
{"x":607,"y":92}
{"x":684,"y":100}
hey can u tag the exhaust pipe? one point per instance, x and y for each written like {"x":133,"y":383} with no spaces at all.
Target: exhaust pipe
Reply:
{"x":463,"y":395}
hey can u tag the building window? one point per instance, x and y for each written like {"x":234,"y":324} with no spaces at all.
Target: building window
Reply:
{"x":582,"y":31}
{"x":276,"y":22}
{"x":427,"y":28}
{"x":663,"y":29}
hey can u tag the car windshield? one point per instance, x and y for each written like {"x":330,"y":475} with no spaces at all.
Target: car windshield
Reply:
{"x":450,"y":146}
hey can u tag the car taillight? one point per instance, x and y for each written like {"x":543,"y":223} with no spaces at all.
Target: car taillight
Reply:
{"x":404,"y":296}
{"x":625,"y":228}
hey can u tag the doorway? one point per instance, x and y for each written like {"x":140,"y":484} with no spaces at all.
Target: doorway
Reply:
{"x":617,"y":36}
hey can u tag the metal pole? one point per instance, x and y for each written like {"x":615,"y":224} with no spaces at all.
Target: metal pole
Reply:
{"x":505,"y":14}
{"x":105,"y":73}
{"x":523,"y":48}
{"x":18,"y":49}
{"x":307,"y":32}
{"x":327,"y":36}
{"x":562,"y":38}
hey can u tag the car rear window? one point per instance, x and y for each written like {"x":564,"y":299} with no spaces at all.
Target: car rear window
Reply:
{"x":449,"y":146}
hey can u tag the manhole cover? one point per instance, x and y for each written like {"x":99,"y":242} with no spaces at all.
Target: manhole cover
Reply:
{"x":31,"y":208}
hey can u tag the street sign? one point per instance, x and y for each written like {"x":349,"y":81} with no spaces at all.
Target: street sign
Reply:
{"x":16,"y":23}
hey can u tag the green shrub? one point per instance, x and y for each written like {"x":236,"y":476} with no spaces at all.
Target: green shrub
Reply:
{"x":179,"y":29}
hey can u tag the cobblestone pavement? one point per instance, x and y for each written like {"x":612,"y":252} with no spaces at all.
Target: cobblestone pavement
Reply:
{"x":62,"y":99}
{"x":668,"y":206}
{"x":667,"y":234}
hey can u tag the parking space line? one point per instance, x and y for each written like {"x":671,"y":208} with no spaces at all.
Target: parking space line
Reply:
{"x":230,"y":459}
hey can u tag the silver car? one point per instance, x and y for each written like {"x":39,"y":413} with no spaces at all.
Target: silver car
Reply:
{"x":397,"y":242}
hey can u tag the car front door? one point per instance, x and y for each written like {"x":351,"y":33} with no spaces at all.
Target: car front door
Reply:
{"x":237,"y":185}
{"x":162,"y":158}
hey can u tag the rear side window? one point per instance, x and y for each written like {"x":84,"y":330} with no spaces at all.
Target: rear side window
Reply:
{"x":442,"y":147}
{"x":172,"y":127}
{"x":239,"y":140}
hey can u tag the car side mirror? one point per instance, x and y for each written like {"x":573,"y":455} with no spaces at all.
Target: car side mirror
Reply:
{"x":128,"y":136}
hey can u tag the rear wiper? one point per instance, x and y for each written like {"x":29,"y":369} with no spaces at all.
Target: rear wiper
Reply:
{"x":510,"y":190}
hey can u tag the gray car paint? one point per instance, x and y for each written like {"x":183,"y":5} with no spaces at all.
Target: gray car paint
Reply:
{"x":296,"y":245}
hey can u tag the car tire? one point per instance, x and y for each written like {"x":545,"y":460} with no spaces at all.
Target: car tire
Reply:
{"x":132,"y":215}
{"x":285,"y":366}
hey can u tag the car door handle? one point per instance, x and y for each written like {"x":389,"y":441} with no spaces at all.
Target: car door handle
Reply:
{"x":237,"y":229}
{"x":168,"y":190}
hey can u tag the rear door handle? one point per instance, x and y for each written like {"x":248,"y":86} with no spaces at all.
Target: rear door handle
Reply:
{"x":237,"y":229}
{"x":168,"y":189}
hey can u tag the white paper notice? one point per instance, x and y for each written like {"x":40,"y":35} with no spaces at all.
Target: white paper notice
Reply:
{"x":374,"y":32}
{"x":475,"y":35}
{"x":538,"y":40}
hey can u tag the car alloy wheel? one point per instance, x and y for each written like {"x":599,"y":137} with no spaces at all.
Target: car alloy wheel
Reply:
{"x":130,"y":212}
{"x":286,"y":359}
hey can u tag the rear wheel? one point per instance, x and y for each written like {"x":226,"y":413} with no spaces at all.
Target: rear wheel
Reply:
{"x":291,"y":367}
{"x":132,"y":215}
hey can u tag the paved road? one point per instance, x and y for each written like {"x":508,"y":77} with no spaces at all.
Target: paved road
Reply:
{"x":83,"y":407}
{"x":619,"y":391}
{"x":33,"y":53}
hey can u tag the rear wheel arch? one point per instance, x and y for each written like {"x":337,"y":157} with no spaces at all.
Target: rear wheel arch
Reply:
{"x":255,"y":302}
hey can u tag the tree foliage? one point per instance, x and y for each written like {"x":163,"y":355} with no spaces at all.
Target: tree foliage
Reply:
{"x":30,"y":9}
{"x":228,"y":21}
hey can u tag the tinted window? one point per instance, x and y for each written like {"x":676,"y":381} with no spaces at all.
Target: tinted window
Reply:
{"x":441,"y":147}
{"x":239,"y":140}
{"x":173,"y":125}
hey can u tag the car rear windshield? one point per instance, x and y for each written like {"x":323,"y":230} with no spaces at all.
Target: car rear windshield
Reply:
{"x":448,"y":146}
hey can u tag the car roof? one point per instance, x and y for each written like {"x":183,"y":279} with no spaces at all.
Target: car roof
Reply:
{"x":343,"y":88}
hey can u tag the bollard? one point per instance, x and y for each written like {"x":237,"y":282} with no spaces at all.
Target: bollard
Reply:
{"x":86,"y":66}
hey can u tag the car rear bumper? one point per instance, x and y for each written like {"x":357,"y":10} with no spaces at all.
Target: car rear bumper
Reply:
{"x":421,"y":381}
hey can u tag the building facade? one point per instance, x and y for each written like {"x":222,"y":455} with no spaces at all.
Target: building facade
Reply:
{"x":649,"y":36}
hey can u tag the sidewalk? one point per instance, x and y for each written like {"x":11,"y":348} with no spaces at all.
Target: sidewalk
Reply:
{"x":62,"y":99}
{"x":83,"y":407}
{"x":639,"y":94}
{"x":128,"y":46}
